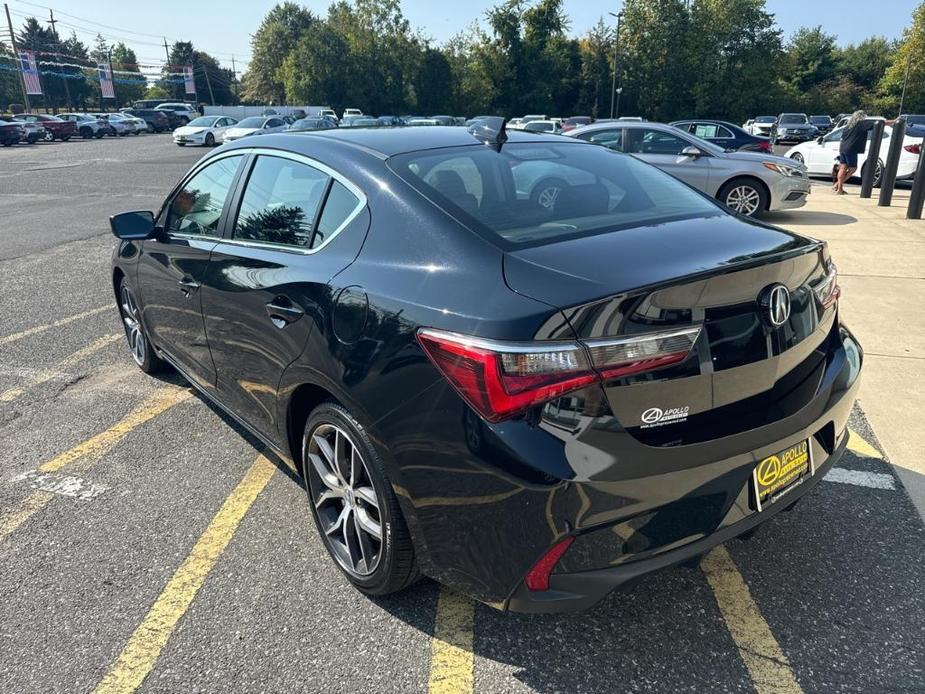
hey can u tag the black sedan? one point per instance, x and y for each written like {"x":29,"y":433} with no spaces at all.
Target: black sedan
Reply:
{"x":532,"y":404}
{"x":730,"y":137}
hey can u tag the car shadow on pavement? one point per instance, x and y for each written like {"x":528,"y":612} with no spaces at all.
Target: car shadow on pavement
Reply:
{"x":809,"y":217}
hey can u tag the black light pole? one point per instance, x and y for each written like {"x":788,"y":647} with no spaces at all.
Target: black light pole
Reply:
{"x":614,"y":92}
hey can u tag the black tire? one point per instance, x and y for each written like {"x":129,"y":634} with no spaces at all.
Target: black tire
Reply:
{"x":65,"y":138}
{"x":8,"y":143}
{"x":86,"y":133}
{"x":395,"y":564}
{"x":546,"y":191}
{"x":745,"y":189}
{"x":210,"y":140}
{"x":49,"y":136}
{"x":130,"y":313}
{"x":796,"y":156}
{"x":181,"y":144}
{"x":100,"y":134}
{"x":150,"y":128}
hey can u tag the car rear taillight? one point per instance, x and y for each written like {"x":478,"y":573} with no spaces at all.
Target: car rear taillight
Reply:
{"x":537,"y":579}
{"x":914,"y":149}
{"x":764,"y":146}
{"x":826,"y":289}
{"x":501,"y":379}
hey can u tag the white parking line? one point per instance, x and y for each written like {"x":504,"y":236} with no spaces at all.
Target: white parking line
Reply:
{"x":860,"y":478}
{"x":62,"y":485}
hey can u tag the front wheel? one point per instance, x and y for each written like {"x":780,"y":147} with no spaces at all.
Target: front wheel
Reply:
{"x":49,"y":136}
{"x":797,"y":157}
{"x":878,"y":172}
{"x":210,"y":140}
{"x":353,"y":504}
{"x":138,"y":343}
{"x":546,"y":192}
{"x":86,"y":133}
{"x":745,"y":196}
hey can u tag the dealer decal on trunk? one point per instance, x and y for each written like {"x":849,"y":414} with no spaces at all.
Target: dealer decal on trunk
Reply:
{"x":657,"y":417}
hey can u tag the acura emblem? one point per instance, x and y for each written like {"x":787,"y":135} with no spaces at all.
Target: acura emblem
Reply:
{"x":775,"y":301}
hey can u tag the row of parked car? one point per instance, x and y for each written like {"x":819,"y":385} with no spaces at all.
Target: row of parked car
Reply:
{"x":29,"y":128}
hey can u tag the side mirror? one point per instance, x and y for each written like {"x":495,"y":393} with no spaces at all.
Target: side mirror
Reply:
{"x":691,"y":151}
{"x":133,"y":226}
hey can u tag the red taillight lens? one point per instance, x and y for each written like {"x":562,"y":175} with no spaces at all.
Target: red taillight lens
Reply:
{"x":764,"y":146}
{"x":537,"y":578}
{"x":914,"y":149}
{"x":501,"y":379}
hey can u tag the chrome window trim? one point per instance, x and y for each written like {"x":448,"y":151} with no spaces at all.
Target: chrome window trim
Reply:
{"x":325,"y":169}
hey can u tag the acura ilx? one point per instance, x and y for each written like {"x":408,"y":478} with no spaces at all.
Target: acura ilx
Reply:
{"x":532,"y":403}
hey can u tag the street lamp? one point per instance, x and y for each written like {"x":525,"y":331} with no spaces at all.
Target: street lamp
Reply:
{"x":614,"y":92}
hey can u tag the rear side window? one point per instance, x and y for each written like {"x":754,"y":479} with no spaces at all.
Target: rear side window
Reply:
{"x":280,"y":202}
{"x":197,"y":208}
{"x":609,"y":138}
{"x":338,"y":210}
{"x":646,"y":141}
{"x":529,"y":194}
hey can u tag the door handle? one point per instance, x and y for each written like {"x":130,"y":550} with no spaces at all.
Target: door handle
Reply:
{"x":282,"y":311}
{"x":188,"y":285}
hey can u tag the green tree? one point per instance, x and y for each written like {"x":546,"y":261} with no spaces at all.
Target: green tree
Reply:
{"x":128,"y":87}
{"x":811,"y":59}
{"x":10,"y":92}
{"x":909,"y":56}
{"x":866,"y":62}
{"x":276,"y":37}
{"x":317,"y":70}
{"x":657,"y":69}
{"x":433,"y":83}
{"x":734,"y":46}
{"x":596,"y":77}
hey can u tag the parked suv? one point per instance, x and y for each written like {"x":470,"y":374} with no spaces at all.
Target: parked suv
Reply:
{"x":793,"y":127}
{"x":823,"y":124}
{"x":183,"y":113}
{"x":157,"y":121}
{"x":88,"y":126}
{"x":55,"y":128}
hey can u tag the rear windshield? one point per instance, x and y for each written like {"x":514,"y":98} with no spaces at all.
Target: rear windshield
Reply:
{"x":535,"y":193}
{"x":765,"y":119}
{"x":792,"y":118}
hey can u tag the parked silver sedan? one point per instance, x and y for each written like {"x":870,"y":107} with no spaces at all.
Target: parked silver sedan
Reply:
{"x":748,"y":182}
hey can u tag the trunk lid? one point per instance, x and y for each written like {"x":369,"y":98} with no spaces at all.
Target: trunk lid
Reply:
{"x":742,"y":372}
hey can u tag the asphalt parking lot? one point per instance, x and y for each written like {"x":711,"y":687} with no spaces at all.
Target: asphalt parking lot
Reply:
{"x":145,"y":542}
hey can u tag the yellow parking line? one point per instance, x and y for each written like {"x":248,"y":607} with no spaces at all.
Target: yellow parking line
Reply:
{"x":34,"y":503}
{"x":765,"y":661}
{"x":149,"y":638}
{"x":66,"y":363}
{"x":161,"y":400}
{"x":58,"y":323}
{"x":451,"y":661}
{"x":857,"y":444}
{"x":93,"y":449}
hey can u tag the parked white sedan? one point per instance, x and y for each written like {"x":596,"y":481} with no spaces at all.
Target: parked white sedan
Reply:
{"x":819,"y":155}
{"x":205,"y":130}
{"x":255,"y":125}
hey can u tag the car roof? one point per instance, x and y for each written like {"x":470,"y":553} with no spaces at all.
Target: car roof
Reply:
{"x":387,"y":142}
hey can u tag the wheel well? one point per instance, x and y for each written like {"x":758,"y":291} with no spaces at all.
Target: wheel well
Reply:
{"x":117,"y":277}
{"x":305,"y":399}
{"x":753,"y":180}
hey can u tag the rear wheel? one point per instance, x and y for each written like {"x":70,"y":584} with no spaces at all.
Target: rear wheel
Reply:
{"x":86,"y":133}
{"x":353,"y":504}
{"x":137,"y":339}
{"x":149,"y":127}
{"x":745,"y":196}
{"x":49,"y":136}
{"x":878,"y":172}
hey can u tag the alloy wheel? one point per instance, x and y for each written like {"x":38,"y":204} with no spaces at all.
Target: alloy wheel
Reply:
{"x":744,"y":199}
{"x":798,"y":157}
{"x":133,"y":331}
{"x":548,"y":196}
{"x":346,"y":502}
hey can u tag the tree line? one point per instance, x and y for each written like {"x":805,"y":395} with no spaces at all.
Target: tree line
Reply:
{"x":674,"y":58}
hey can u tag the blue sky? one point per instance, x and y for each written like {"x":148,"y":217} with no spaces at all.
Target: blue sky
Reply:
{"x":224,"y":28}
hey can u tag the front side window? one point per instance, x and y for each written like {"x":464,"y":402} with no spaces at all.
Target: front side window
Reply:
{"x":544,"y":192}
{"x":197,"y":208}
{"x":280,"y":202}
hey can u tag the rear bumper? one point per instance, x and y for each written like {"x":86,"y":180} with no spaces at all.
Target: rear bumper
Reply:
{"x":571,"y":590}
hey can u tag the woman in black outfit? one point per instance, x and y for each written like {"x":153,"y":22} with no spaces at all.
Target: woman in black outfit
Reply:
{"x":853,"y":142}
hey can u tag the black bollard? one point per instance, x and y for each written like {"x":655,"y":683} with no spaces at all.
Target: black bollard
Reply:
{"x":873,"y":155}
{"x":918,"y":187}
{"x":888,"y":177}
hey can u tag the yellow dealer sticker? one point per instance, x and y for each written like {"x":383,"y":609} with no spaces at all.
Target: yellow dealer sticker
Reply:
{"x":781,"y":472}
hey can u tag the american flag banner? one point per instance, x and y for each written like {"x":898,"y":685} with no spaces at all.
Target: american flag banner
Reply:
{"x":30,"y":72}
{"x":105,"y":81}
{"x":189,"y":80}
